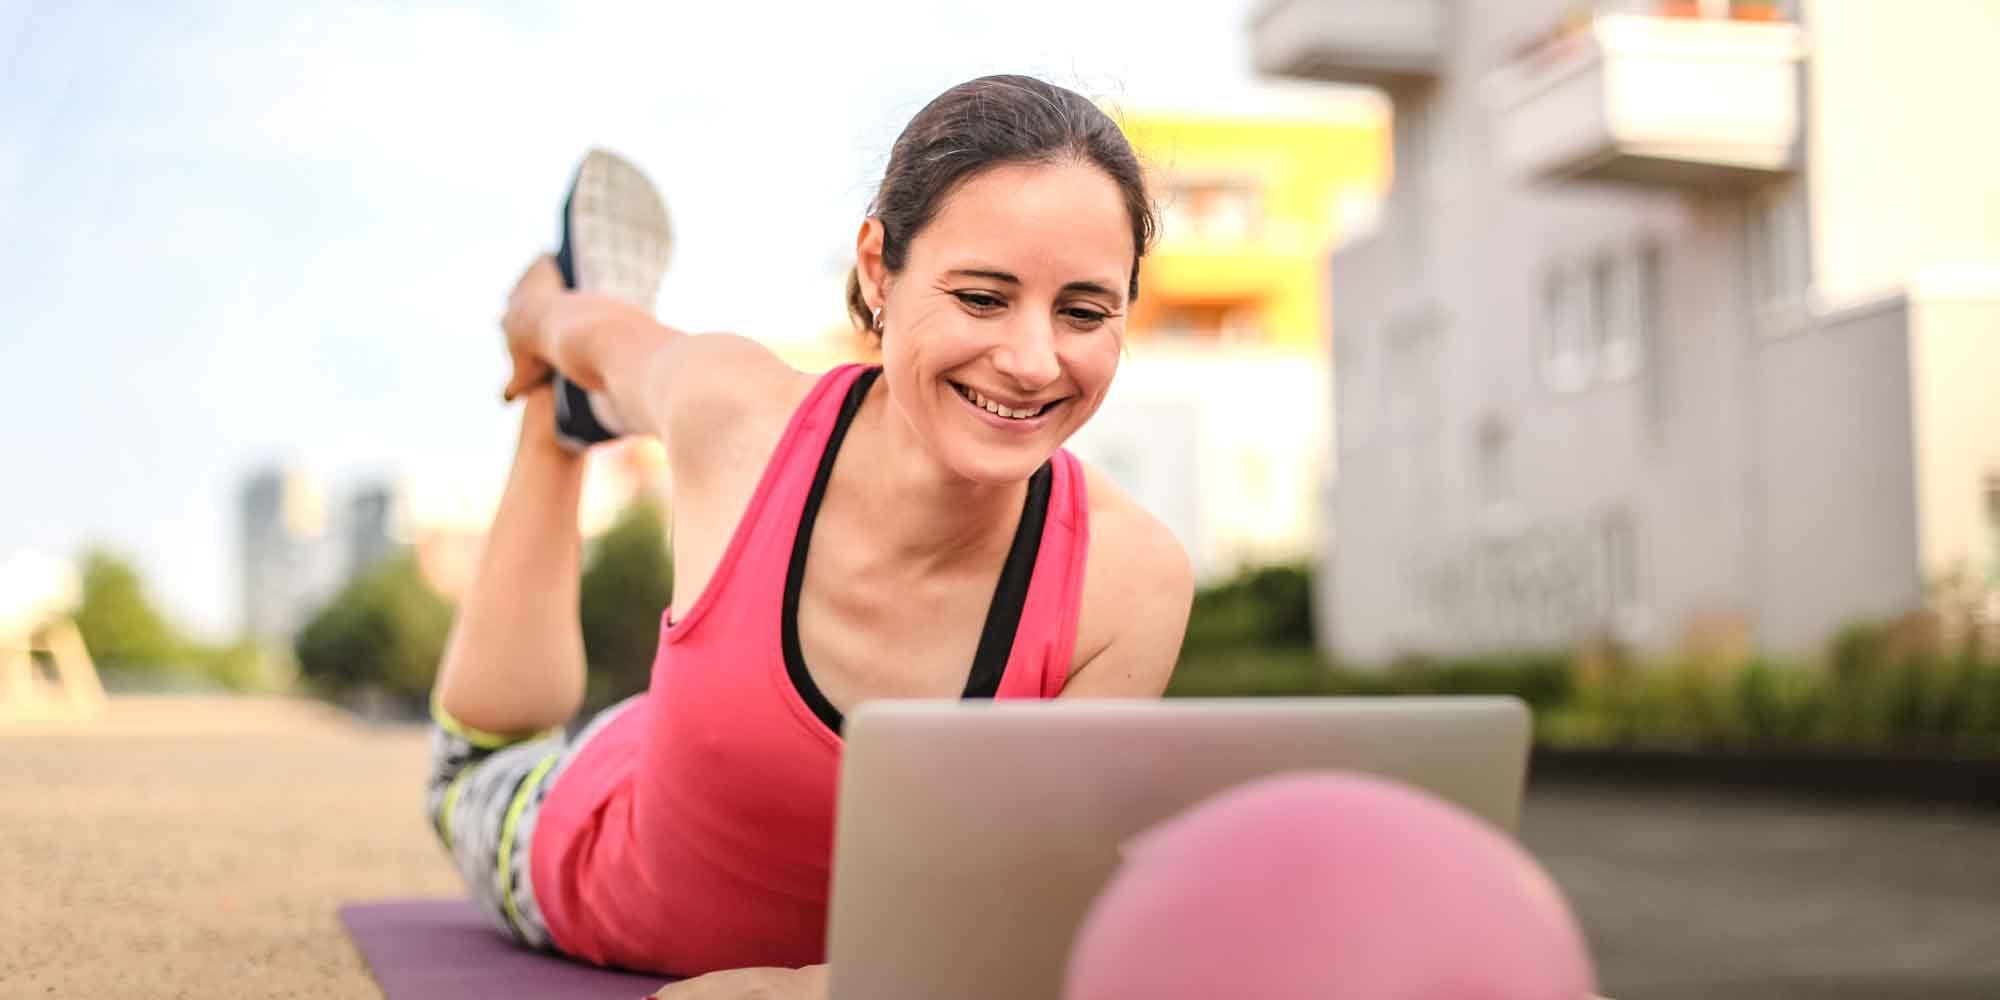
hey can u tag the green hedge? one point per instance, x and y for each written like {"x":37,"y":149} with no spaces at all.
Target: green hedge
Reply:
{"x":1941,"y":706}
{"x":1913,"y":685}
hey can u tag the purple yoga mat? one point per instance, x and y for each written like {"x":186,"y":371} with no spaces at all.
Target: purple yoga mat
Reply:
{"x":445,"y":950}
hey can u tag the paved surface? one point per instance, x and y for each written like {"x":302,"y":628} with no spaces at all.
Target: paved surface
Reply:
{"x":1724,"y":896}
{"x":197,"y":848}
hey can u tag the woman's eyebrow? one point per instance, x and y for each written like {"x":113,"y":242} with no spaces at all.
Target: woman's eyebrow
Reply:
{"x":1005,"y":278}
{"x":978,"y":272}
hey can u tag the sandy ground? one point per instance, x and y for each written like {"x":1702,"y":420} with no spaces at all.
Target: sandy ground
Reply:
{"x":187,"y":847}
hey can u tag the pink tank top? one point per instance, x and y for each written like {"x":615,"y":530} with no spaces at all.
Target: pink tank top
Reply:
{"x":695,"y":831}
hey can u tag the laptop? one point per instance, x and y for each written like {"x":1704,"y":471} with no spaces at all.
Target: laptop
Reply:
{"x":973,"y":836}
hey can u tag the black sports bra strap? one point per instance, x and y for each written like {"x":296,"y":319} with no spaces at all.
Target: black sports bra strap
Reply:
{"x":1003,"y":618}
{"x":1010,"y":595}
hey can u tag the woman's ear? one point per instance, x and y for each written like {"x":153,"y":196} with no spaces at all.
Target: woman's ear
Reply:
{"x":868,"y":267}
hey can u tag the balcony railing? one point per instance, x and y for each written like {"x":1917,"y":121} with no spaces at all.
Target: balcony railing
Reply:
{"x":1655,"y":100}
{"x":1385,"y":43}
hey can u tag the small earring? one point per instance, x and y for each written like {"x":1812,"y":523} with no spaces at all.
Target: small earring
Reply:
{"x":875,"y":320}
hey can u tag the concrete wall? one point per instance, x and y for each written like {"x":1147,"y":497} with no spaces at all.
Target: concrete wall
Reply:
{"x":1837,"y":501}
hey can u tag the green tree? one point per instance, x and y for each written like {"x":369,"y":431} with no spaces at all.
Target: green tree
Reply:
{"x":386,"y":629}
{"x":120,"y":624}
{"x":1263,"y":606}
{"x":628,"y":579}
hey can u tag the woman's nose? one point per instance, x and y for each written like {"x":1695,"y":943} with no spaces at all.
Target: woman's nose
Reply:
{"x":1029,"y":355}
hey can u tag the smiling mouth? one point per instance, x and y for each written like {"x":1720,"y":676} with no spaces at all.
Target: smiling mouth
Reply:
{"x":972,"y":396}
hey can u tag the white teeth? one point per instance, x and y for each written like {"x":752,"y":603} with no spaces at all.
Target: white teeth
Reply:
{"x":995,"y":408}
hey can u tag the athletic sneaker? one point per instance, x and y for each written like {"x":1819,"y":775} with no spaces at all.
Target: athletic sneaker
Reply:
{"x":615,"y":242}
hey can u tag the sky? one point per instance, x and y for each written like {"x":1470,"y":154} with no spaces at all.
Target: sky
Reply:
{"x":244,"y":234}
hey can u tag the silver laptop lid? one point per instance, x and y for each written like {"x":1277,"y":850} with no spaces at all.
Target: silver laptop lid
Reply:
{"x":973,"y":836}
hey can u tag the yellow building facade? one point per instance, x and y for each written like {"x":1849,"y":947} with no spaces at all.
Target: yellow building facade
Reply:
{"x":1220,"y":421}
{"x":1250,"y":208}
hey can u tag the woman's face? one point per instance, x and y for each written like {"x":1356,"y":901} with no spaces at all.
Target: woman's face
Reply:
{"x":1004,"y":328}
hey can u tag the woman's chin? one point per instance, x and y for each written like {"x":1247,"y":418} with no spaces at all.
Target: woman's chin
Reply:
{"x":996,"y":466}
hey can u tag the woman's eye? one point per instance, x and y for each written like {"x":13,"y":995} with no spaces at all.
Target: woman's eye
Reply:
{"x":1086,"y":319}
{"x":979,"y":301}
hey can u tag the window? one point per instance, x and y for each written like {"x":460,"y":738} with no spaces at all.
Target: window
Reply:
{"x":1780,"y":264}
{"x":1599,"y":318}
{"x":1620,"y":547}
{"x":1212,"y":322}
{"x":1738,"y":10}
{"x":1621,"y":302}
{"x":1567,"y":308}
{"x":1649,"y":352}
{"x":1493,"y":473}
{"x":1211,"y":212}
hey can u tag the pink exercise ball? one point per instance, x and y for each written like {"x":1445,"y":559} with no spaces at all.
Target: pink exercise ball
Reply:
{"x":1328,"y":886}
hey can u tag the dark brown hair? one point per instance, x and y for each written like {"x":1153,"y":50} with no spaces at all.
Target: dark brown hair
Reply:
{"x":985,"y":123}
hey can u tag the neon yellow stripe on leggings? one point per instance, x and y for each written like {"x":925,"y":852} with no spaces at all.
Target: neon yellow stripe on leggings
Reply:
{"x":514,"y":809}
{"x":479,"y":738}
{"x":451,"y":803}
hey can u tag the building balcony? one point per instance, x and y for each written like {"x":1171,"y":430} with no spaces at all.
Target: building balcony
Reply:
{"x":1655,"y":100}
{"x":1384,"y":43}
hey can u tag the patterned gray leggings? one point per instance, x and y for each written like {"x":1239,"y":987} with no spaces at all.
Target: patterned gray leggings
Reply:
{"x":483,"y":796}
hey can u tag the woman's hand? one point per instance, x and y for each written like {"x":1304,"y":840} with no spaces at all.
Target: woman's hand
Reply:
{"x":808,"y":983}
{"x":576,"y":333}
{"x":525,"y":325}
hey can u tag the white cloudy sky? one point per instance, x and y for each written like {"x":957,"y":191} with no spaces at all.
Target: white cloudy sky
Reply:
{"x":237,"y":234}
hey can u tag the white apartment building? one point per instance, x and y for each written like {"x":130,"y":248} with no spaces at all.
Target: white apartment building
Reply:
{"x":1222,"y":444}
{"x":1680,"y":316}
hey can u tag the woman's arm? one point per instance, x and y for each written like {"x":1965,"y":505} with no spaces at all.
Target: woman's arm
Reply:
{"x":643,"y":366}
{"x":1138,"y":587}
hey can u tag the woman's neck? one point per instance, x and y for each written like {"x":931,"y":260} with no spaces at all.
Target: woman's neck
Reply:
{"x":920,"y":511}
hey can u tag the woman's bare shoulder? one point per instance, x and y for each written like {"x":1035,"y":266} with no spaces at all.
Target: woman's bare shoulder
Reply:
{"x":734,"y":394}
{"x":732,"y":372}
{"x":1137,"y":587}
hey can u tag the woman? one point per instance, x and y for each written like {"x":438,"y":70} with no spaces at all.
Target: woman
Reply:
{"x":953,"y":549}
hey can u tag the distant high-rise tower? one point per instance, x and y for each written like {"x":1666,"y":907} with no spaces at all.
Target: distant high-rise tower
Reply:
{"x":284,"y":553}
{"x":370,"y":527}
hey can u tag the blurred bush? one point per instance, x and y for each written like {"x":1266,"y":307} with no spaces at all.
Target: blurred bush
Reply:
{"x":1921,"y":684}
{"x":628,"y":578}
{"x":381,"y":635}
{"x":121,"y":626}
{"x":1266,"y":606}
{"x":137,"y":647}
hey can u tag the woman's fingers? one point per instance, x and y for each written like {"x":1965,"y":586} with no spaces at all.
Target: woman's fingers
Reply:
{"x":521,"y":322}
{"x":524,"y":379}
{"x":738,"y":984}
